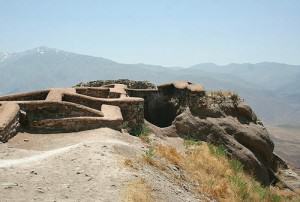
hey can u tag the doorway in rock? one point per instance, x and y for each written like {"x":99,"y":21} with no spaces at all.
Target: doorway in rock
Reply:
{"x":159,"y":111}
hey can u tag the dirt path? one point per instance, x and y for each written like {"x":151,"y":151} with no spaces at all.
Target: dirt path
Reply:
{"x":83,"y":166}
{"x":38,"y":157}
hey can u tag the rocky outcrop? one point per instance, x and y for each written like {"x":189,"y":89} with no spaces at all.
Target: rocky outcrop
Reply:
{"x":249,"y":143}
{"x":221,"y":119}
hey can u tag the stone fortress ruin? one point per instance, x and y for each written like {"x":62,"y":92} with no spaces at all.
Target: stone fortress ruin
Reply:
{"x":84,"y":108}
{"x":175,"y":109}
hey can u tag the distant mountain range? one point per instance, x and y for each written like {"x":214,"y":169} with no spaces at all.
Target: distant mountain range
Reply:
{"x":272,"y":89}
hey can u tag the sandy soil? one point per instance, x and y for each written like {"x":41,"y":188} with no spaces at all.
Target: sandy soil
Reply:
{"x":83,"y":166}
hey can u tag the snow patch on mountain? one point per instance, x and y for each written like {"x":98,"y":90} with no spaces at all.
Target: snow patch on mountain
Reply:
{"x":3,"y":56}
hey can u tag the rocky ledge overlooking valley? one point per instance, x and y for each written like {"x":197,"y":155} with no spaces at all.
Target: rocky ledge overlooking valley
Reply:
{"x":178,"y":109}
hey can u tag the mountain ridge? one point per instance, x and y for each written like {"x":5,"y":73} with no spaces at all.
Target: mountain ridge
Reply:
{"x":263,"y":85}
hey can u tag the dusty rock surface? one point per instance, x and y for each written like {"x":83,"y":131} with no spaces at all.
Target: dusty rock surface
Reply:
{"x":82,"y":166}
{"x":249,"y":143}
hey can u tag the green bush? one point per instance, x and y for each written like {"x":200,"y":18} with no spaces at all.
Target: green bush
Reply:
{"x":138,"y":131}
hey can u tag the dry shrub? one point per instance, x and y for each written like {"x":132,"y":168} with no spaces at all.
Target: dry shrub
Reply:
{"x":150,"y":158}
{"x":145,"y":139}
{"x":138,"y":191}
{"x":217,"y":176}
{"x":169,"y":153}
{"x":209,"y":172}
{"x":128,"y":163}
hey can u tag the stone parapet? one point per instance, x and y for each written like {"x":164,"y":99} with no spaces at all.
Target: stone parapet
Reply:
{"x":9,"y":120}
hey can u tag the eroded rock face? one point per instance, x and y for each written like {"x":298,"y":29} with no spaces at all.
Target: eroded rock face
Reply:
{"x":222,"y":119}
{"x":249,"y":143}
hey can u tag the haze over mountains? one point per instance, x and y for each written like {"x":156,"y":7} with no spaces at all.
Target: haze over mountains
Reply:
{"x":272,"y":89}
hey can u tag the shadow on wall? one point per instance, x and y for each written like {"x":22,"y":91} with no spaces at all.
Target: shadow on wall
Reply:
{"x":159,"y":110}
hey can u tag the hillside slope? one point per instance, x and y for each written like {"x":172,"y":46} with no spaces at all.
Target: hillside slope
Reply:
{"x":106,"y":165}
{"x":84,"y":166}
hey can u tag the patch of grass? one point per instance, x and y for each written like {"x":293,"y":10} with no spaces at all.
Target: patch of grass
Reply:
{"x":191,"y":142}
{"x":214,"y":174}
{"x":138,"y":131}
{"x":219,"y":151}
{"x":236,"y":165}
{"x":149,"y":155}
{"x":240,"y":186}
{"x":224,"y":179}
{"x":137,"y":191}
{"x":150,"y":152}
{"x":169,"y":153}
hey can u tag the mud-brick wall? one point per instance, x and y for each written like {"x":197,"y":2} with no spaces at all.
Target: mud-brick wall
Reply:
{"x":74,"y":124}
{"x":133,"y":113}
{"x":132,"y":108}
{"x":55,"y":110}
{"x":142,"y":93}
{"x":36,"y":95}
{"x":9,"y":122}
{"x":94,"y":92}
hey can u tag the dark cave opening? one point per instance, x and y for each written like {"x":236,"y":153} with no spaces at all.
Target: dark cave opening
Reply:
{"x":159,"y":111}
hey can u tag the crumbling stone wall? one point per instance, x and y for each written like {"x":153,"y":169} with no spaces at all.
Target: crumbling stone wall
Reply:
{"x":129,"y":83}
{"x":36,"y":111}
{"x":163,"y":104}
{"x":74,"y":124}
{"x":93,"y":92}
{"x":9,"y":121}
{"x":37,"y":95}
{"x":132,"y":108}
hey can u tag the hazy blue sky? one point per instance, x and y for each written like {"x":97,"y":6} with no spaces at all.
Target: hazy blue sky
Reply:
{"x":182,"y":32}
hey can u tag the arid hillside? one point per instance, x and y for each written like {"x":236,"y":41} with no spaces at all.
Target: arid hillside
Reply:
{"x":106,"y":165}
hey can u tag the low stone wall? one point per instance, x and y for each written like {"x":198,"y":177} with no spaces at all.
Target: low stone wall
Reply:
{"x":55,"y":94}
{"x":9,"y":121}
{"x":132,"y":108}
{"x":74,"y":124}
{"x":112,"y":119}
{"x":36,"y":95}
{"x":38,"y":110}
{"x":117,"y":90}
{"x":142,"y":93}
{"x":93,"y":92}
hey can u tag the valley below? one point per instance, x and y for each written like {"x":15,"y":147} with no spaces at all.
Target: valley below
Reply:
{"x":287,"y":144}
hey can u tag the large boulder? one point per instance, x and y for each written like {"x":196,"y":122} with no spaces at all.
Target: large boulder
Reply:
{"x":246,"y":112}
{"x":249,"y":143}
